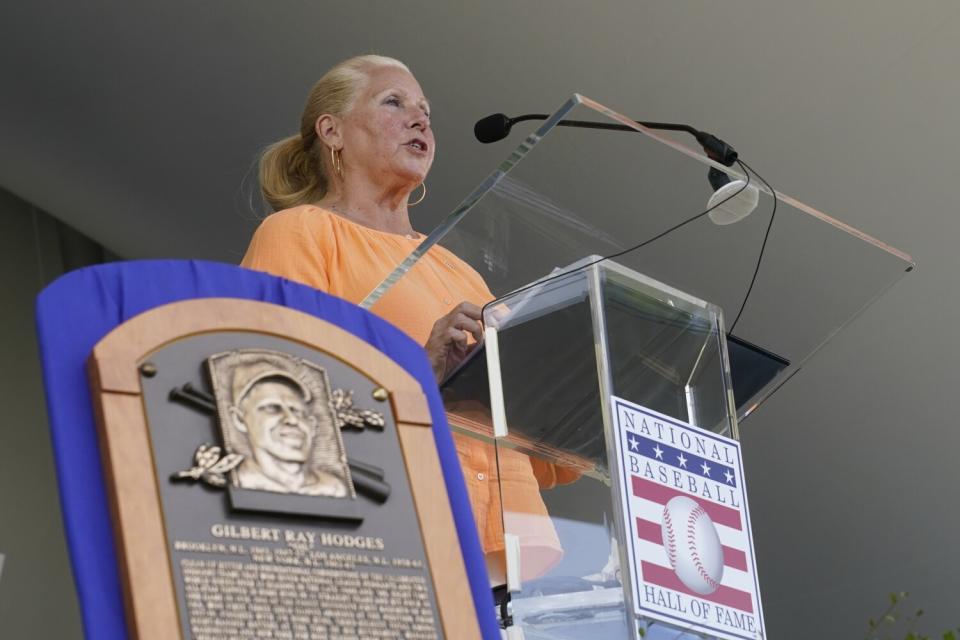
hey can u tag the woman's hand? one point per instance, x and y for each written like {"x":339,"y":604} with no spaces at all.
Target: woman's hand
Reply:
{"x":449,"y":343}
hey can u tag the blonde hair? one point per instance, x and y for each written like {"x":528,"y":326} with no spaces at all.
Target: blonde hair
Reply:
{"x":292,"y":170}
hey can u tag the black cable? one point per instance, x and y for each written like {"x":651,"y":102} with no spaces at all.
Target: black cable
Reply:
{"x":763,"y":246}
{"x":538,"y":283}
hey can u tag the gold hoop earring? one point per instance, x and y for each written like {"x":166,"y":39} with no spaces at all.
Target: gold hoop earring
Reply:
{"x":336,"y":161}
{"x":422,"y":196}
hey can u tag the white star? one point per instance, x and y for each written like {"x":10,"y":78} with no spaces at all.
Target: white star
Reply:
{"x":682,"y":461}
{"x":728,"y":476}
{"x":706,"y":469}
{"x":634,"y":444}
{"x":657,"y":451}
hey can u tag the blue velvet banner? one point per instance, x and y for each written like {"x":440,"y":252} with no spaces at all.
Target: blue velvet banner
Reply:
{"x":80,"y":308}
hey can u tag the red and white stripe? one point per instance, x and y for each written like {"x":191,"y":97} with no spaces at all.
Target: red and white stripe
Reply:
{"x":647,"y":504}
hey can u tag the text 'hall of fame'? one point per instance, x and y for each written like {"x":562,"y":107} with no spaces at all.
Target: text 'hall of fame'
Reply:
{"x":689,"y":541}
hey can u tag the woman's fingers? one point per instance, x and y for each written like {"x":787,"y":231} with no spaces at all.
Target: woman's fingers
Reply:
{"x":468,"y":309}
{"x":466,"y":317}
{"x":457,"y":336}
{"x":448,"y":343}
{"x":463,"y":323}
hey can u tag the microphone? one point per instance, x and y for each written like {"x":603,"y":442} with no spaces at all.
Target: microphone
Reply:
{"x":727,"y":204}
{"x":733,"y":201}
{"x":493,"y":128}
{"x":497,"y":127}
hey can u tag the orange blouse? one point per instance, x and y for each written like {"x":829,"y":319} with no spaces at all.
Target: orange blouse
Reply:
{"x":331,"y":253}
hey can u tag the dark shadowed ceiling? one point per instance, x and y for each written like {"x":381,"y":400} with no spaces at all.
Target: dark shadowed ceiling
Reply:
{"x":139,"y":125}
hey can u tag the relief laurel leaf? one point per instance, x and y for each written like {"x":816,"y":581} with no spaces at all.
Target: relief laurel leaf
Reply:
{"x":226,"y":463}
{"x":213,"y":479}
{"x":209,"y":466}
{"x":342,"y":400}
{"x":350,"y":419}
{"x":193,"y":473}
{"x":206,"y":455}
{"x":373,"y":418}
{"x":349,"y":416}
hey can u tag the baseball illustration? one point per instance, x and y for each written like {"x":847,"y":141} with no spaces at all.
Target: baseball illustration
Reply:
{"x":693,"y":545}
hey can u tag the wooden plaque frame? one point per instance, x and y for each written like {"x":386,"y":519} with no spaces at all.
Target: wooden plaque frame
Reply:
{"x":140,"y":536}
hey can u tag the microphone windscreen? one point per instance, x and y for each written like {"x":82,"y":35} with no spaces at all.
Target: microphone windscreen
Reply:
{"x":733,"y":202}
{"x":492,"y":128}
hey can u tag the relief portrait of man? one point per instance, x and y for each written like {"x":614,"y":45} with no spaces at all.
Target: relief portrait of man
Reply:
{"x":275,"y":410}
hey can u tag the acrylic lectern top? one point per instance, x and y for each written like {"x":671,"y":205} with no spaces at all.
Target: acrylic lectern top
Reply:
{"x":565,"y":193}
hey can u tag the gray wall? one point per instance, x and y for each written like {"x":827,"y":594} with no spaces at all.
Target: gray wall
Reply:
{"x":138,"y":124}
{"x":37,"y":598}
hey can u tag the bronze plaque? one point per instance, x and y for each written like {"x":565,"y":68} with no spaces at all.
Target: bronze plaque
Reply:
{"x":285,"y":494}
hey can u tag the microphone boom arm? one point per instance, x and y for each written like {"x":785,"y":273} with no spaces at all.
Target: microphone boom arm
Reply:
{"x":586,"y":124}
{"x":715,"y":148}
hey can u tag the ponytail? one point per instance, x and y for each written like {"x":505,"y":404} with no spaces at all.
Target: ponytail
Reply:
{"x":291,"y":175}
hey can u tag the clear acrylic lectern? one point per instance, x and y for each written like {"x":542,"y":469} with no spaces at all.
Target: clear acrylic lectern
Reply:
{"x":611,"y":270}
{"x":555,"y":354}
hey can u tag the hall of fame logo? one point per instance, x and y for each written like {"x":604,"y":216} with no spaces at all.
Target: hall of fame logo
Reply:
{"x":689,"y":543}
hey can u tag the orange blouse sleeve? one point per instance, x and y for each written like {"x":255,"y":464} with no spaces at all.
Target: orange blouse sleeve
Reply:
{"x":550,"y":475}
{"x":285,"y":245}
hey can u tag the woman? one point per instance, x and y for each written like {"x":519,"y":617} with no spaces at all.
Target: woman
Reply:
{"x":340,"y":189}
